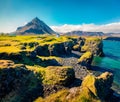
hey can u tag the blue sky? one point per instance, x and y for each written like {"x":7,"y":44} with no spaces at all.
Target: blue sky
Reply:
{"x":14,"y":13}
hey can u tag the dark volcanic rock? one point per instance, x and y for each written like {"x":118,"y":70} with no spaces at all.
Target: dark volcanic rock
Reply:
{"x":42,"y":50}
{"x":18,"y":82}
{"x":57,"y":49}
{"x":36,"y":26}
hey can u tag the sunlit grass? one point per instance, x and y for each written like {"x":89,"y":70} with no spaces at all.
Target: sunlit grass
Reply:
{"x":12,"y":43}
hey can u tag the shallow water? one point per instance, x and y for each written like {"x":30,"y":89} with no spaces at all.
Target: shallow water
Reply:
{"x":111,"y":61}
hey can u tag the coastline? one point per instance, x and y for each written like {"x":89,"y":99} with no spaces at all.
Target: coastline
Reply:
{"x":113,"y":38}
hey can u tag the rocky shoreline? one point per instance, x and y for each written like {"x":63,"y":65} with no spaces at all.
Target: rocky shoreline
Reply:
{"x":66,"y":69}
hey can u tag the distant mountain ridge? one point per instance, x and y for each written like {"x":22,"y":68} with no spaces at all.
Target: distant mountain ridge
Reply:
{"x":36,"y":26}
{"x":85,"y":33}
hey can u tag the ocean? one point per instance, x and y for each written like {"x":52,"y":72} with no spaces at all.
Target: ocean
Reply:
{"x":111,"y":61}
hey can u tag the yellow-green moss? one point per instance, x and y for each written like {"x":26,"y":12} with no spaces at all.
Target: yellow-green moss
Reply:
{"x":54,"y":74}
{"x":80,"y":95}
{"x":85,"y":56}
{"x":84,"y":48}
{"x":50,"y":57}
{"x":76,"y":47}
{"x":90,"y":43}
{"x":96,"y":39}
{"x":89,"y":82}
{"x":12,"y":43}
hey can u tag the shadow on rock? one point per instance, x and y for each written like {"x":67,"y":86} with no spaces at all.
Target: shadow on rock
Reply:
{"x":19,"y":84}
{"x":77,"y":82}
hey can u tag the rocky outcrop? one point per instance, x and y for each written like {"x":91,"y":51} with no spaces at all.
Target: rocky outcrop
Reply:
{"x":99,"y":86}
{"x":86,"y":59}
{"x":12,"y":56}
{"x":16,"y":82}
{"x":58,"y":76}
{"x":78,"y":43}
{"x":94,"y":45}
{"x":42,"y":50}
{"x":93,"y":89}
{"x":56,"y":49}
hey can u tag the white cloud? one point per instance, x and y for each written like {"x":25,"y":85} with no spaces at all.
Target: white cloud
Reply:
{"x":106,"y":28}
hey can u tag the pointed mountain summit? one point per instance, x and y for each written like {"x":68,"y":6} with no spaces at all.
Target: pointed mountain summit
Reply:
{"x":36,"y":26}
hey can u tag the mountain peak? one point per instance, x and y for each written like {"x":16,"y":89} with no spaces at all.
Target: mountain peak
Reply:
{"x":36,"y":19}
{"x":36,"y":26}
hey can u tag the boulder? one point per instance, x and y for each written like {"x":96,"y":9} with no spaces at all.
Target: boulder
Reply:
{"x":57,"y":49}
{"x":99,"y":86}
{"x":58,"y":76}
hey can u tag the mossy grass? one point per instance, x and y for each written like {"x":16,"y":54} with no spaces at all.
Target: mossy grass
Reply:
{"x":13,"y":43}
{"x":53,"y":74}
{"x":85,"y":56}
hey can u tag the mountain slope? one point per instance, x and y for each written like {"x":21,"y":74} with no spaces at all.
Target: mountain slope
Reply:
{"x":84,"y":33}
{"x":36,"y":26}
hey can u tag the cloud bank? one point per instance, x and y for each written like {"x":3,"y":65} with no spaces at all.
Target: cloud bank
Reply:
{"x":106,"y":28}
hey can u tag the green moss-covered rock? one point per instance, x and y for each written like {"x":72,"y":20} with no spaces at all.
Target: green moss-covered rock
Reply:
{"x":93,"y":89}
{"x":76,"y":47}
{"x":58,"y":75}
{"x":86,"y":59}
{"x":57,"y":49}
{"x":54,"y":75}
{"x":18,"y":84}
{"x":93,"y":45}
{"x":72,"y":95}
{"x":99,"y":86}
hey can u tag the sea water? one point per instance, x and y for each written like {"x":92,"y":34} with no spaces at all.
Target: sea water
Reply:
{"x":111,"y":61}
